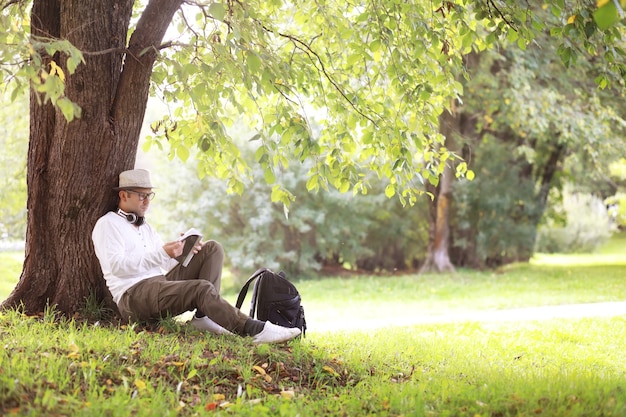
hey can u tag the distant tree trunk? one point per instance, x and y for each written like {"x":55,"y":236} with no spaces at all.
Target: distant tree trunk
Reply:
{"x":72,"y":167}
{"x":451,"y":126}
{"x":555,"y":157}
{"x":438,"y":256}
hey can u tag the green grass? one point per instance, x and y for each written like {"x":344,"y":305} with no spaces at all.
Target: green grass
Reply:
{"x":10,"y":268}
{"x":556,"y":367}
{"x":547,"y":280}
{"x":375,"y":299}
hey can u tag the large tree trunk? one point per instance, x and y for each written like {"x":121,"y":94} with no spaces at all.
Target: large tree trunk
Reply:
{"x":72,"y":167}
{"x":438,"y":256}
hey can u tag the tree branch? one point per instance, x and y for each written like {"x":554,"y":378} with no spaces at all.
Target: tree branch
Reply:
{"x":309,"y":51}
{"x":9,"y":3}
{"x":492,"y":3}
{"x":104,"y":51}
{"x":133,"y":86}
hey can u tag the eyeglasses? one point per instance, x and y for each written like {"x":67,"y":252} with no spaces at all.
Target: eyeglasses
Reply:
{"x":142,"y":196}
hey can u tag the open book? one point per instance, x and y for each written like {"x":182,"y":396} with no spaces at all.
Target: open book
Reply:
{"x":191,"y":238}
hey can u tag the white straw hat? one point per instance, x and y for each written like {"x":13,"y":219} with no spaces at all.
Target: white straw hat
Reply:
{"x":134,"y":178}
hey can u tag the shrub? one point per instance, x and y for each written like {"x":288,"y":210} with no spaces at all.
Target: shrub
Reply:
{"x":494,"y":215}
{"x":587,"y":226}
{"x":324,"y":229}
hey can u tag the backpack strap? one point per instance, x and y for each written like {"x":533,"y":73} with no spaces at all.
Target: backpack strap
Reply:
{"x":244,"y":290}
{"x":254,"y":302}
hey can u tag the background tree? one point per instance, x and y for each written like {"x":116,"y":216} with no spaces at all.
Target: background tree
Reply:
{"x":539,"y":124}
{"x":485,"y":243}
{"x":438,"y":253}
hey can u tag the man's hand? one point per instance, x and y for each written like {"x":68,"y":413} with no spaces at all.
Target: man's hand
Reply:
{"x":175,"y":248}
{"x":198,"y":246}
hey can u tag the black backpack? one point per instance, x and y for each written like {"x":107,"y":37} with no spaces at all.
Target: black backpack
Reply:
{"x":275,"y":299}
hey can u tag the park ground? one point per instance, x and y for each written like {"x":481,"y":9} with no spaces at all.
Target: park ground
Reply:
{"x":539,"y":339}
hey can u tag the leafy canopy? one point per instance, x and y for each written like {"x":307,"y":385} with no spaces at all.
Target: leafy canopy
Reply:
{"x":23,"y":63}
{"x":353,"y":87}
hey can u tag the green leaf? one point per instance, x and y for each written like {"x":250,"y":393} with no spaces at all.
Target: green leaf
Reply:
{"x":353,"y":59}
{"x":280,"y":195}
{"x":270,"y":178}
{"x":253,"y":62}
{"x":218,"y":11}
{"x":512,"y":36}
{"x":16,"y":92}
{"x":70,"y":110}
{"x":147,"y":144}
{"x":375,"y":45}
{"x":606,"y":15}
{"x":183,"y":153}
{"x":461,"y":168}
{"x":261,"y":154}
{"x":205,"y":144}
{"x":390,"y":190}
{"x":73,"y":61}
{"x":235,"y":186}
{"x":312,"y":184}
{"x":602,"y":82}
{"x":566,"y":55}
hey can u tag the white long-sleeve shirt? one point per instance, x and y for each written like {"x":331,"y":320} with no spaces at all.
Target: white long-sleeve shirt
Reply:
{"x":128,"y":254}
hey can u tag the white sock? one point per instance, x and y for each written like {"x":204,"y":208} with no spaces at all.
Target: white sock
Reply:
{"x":206,"y":324}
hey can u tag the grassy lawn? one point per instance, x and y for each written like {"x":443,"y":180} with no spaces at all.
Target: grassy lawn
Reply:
{"x":344,"y":303}
{"x":10,"y":269}
{"x":369,"y":351}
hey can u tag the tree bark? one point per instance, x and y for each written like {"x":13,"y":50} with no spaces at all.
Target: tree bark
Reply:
{"x":438,"y":256}
{"x":451,"y":125}
{"x":72,"y":167}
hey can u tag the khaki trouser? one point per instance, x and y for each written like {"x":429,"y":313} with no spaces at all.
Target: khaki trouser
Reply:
{"x":196,"y":286}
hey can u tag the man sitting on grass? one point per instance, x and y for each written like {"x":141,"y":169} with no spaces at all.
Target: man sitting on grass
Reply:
{"x":133,"y":258}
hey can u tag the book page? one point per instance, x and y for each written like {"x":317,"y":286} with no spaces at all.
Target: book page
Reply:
{"x":191,"y":232}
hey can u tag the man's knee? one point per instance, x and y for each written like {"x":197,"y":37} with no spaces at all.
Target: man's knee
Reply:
{"x":213,"y":247}
{"x":204,"y":288}
{"x":213,"y":252}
